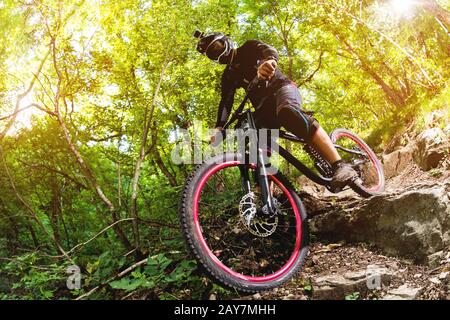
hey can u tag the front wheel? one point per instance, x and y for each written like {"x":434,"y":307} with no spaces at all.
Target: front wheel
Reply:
{"x":249,"y":257}
{"x":356,"y":152}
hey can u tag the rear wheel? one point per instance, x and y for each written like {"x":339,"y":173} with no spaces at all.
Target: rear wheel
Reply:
{"x":249,"y":257}
{"x":356,"y":152}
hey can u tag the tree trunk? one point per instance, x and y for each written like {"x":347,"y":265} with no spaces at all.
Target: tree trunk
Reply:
{"x":12,"y":235}
{"x":93,"y":181}
{"x":172,"y":180}
{"x":55,"y":211}
{"x":142,"y":154}
{"x":30,"y":210}
{"x":88,"y":173}
{"x":32,"y":233}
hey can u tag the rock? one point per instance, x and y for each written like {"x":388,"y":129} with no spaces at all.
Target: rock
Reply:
{"x":412,"y":223}
{"x":432,"y":146}
{"x":434,"y":260}
{"x":403,"y":292}
{"x":289,"y":297}
{"x":257,"y":296}
{"x":447,"y":258}
{"x":444,"y":275}
{"x":435,"y":280}
{"x":395,"y":162}
{"x":447,"y":129}
{"x":337,"y":286}
{"x":212,"y":297}
{"x":427,"y":151}
{"x":436,"y":116}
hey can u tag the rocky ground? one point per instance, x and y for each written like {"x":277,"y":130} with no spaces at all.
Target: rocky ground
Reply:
{"x":350,"y":271}
{"x":394,"y":246}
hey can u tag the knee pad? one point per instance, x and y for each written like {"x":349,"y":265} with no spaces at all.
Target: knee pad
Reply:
{"x":294,"y":120}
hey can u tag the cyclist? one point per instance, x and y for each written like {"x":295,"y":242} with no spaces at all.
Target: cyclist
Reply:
{"x":278,"y":103}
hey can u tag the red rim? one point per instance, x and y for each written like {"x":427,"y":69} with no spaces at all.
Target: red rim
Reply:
{"x":372,"y":157}
{"x":258,"y":279}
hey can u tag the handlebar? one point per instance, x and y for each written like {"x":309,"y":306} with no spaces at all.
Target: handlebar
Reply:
{"x":254,"y":83}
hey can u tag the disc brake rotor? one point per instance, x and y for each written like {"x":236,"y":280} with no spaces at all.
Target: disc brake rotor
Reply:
{"x":256,"y":223}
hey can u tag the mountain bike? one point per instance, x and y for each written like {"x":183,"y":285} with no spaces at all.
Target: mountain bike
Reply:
{"x":253,"y":238}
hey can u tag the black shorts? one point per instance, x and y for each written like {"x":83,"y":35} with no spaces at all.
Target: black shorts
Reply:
{"x":283,"y":109}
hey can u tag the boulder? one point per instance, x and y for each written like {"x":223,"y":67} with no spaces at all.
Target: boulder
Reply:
{"x":338,"y":286}
{"x":395,"y":162}
{"x":433,"y":146}
{"x":413,"y":223}
{"x":434,"y":260}
{"x":427,"y":150}
{"x":403,"y":292}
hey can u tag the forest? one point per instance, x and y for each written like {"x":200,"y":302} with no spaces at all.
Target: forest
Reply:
{"x":93,"y":93}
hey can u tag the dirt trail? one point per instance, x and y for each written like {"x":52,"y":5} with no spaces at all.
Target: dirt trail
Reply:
{"x":330,"y":261}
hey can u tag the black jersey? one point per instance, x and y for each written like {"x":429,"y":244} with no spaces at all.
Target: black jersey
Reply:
{"x":243,"y":70}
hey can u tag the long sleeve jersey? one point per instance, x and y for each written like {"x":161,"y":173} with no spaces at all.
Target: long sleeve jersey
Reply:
{"x":243,"y":70}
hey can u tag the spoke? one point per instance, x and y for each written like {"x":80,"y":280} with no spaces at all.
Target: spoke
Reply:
{"x":283,"y":237}
{"x":229,"y":239}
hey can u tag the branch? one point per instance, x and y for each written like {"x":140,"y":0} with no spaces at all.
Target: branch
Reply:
{"x":388,"y":38}
{"x":27,"y":107}
{"x":23,"y":95}
{"x":117,"y":135}
{"x":98,"y":234}
{"x":65,"y":175}
{"x":59,"y":76}
{"x":309,"y":78}
{"x":158,"y":224}
{"x":142,"y":155}
{"x":43,"y":87}
{"x":119,"y":275}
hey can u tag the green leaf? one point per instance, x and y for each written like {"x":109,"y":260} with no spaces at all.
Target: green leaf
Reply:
{"x":353,"y":296}
{"x":128,"y":284}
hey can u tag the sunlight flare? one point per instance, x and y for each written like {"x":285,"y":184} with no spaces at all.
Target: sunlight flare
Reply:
{"x":24,"y":118}
{"x":402,"y":7}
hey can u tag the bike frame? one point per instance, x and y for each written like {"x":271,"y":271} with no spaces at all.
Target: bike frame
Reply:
{"x":246,"y":116}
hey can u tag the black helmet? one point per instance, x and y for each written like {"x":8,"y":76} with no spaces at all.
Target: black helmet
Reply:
{"x":215,"y":45}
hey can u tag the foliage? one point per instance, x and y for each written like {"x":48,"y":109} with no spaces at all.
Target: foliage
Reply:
{"x":102,"y":89}
{"x":159,"y":273}
{"x":352,"y":296}
{"x":32,"y":281}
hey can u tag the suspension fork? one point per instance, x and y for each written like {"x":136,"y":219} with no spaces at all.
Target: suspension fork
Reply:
{"x":245,"y":179}
{"x":269,"y":207}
